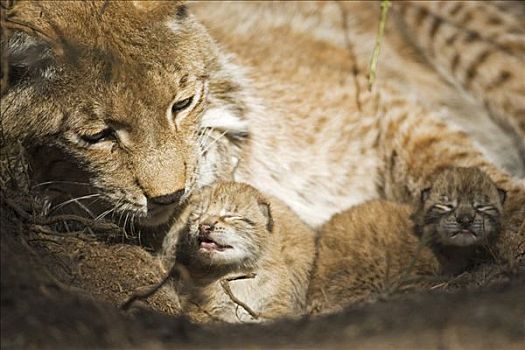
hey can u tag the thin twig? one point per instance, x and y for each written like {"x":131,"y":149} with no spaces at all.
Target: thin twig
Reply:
{"x":225,"y":284}
{"x":385,"y":4}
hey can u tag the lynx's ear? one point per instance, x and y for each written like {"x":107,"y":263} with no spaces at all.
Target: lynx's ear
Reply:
{"x":425,"y":193}
{"x":502,"y":195}
{"x":266,"y":211}
{"x":26,"y":56}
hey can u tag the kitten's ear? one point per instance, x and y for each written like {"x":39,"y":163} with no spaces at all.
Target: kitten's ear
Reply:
{"x":425,"y":193}
{"x":266,"y":211}
{"x":502,"y":195}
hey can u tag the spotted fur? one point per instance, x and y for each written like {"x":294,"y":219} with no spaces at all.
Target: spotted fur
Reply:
{"x":480,"y":48}
{"x":284,"y":83}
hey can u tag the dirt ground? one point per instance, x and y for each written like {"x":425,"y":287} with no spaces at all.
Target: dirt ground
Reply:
{"x":63,"y":291}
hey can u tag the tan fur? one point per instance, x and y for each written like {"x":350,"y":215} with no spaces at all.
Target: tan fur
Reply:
{"x":484,"y":57}
{"x":459,"y":217}
{"x":265,"y":238}
{"x":125,"y":83}
{"x":292,"y":102}
{"x":380,"y":247}
{"x":366,"y":253}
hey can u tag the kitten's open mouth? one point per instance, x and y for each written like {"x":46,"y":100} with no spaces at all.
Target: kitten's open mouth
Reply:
{"x":209,"y":245}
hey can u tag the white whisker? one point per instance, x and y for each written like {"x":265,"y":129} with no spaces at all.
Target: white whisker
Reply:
{"x":74,"y":200}
{"x":213,"y":142}
{"x":61,"y":182}
{"x":101,"y":216}
{"x":125,"y":225}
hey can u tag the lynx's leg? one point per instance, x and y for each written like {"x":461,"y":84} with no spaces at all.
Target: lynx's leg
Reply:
{"x":479,"y":47}
{"x":415,"y":144}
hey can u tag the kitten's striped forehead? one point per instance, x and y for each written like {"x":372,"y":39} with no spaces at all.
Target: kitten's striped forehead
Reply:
{"x":465,"y":183}
{"x":228,"y":198}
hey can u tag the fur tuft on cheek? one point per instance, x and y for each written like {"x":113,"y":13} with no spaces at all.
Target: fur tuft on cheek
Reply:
{"x":222,"y":118}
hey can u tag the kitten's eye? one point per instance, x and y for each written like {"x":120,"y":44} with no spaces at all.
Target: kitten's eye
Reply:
{"x":238,"y":217}
{"x":444,"y":207}
{"x":248,"y":221}
{"x":484,"y":207}
{"x":232,"y":217}
{"x":104,"y":135}
{"x":181,"y":105}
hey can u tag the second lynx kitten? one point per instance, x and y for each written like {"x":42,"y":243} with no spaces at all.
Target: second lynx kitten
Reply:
{"x":374,"y":248}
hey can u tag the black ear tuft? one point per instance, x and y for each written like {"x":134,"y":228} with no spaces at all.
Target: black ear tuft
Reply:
{"x":425,"y":193}
{"x":266,"y":211}
{"x":182,"y":12}
{"x":27,"y":56}
{"x":502,"y":195}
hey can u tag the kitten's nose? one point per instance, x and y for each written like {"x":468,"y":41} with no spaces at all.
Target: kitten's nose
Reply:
{"x":205,"y":229}
{"x":168,"y":198}
{"x":465,"y":219}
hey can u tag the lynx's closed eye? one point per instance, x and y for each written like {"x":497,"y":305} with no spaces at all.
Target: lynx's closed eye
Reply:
{"x":444,"y":207}
{"x":181,"y":105}
{"x":104,"y":135}
{"x":238,"y":217}
{"x":485,"y":208}
{"x":232,"y":217}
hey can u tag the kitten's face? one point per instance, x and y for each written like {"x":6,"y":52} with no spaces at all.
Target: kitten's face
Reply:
{"x":229,"y":226}
{"x":462,"y":208}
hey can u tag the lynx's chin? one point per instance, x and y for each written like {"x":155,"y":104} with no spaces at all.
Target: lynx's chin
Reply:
{"x":157,"y":216}
{"x":464,"y":238}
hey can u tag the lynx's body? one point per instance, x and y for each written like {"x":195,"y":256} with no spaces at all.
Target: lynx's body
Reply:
{"x":366,"y":253}
{"x":380,"y":247}
{"x":129,"y":101}
{"x":230,"y":230}
{"x":317,"y":99}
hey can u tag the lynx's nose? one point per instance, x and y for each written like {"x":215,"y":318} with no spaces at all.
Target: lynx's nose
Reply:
{"x":168,"y":198}
{"x":465,"y":219}
{"x":206,"y":229}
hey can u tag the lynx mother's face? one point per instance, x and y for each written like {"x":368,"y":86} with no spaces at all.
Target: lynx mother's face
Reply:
{"x":112,"y":95}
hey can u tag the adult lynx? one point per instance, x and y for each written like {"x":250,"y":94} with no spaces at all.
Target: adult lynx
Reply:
{"x":126,"y":92}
